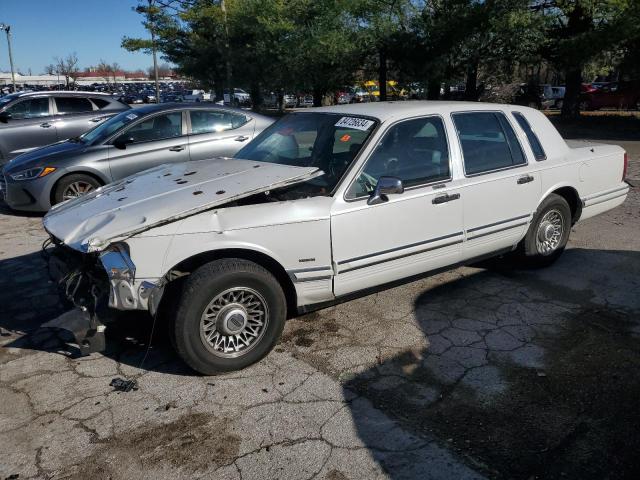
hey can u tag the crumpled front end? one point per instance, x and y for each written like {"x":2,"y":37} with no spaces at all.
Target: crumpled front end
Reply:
{"x":95,"y":283}
{"x":102,"y":279}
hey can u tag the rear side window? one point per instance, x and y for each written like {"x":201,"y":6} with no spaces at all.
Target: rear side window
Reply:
{"x":209,"y":121}
{"x":100,"y":102}
{"x":68,"y":105}
{"x":488,"y":142}
{"x":32,"y":108}
{"x":536,"y":146}
{"x":160,"y":127}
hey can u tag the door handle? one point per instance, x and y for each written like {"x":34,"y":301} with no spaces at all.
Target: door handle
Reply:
{"x":445,"y":198}
{"x":45,"y":125}
{"x":525,"y":179}
{"x":177,"y":148}
{"x":241,"y":138}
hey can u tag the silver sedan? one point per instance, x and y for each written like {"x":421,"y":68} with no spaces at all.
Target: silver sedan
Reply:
{"x":130,"y":142}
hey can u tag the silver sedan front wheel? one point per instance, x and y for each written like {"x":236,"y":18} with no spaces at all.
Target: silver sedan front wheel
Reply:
{"x":76,"y":189}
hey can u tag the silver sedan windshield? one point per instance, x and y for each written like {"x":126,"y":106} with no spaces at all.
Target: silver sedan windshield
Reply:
{"x":108,"y":128}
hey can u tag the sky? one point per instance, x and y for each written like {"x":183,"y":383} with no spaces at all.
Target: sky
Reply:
{"x":43,"y":29}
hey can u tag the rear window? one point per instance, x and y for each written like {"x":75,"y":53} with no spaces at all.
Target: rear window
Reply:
{"x":100,"y":102}
{"x":488,"y":142}
{"x":536,"y":146}
{"x":67,"y":105}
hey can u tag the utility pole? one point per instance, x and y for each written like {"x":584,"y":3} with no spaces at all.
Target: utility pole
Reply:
{"x":7,"y":29}
{"x":228,"y":54}
{"x":150,"y":12}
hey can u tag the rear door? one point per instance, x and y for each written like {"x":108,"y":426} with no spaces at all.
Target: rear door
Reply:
{"x":158,"y":139}
{"x":74,"y":116}
{"x":218,"y":133}
{"x":500,"y":191}
{"x":31,"y":125}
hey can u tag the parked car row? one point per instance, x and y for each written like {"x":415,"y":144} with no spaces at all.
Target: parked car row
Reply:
{"x":129,"y":142}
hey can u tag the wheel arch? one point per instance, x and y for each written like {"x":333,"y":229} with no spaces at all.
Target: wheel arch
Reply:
{"x":193,"y":262}
{"x":90,"y":173}
{"x":570,"y":194}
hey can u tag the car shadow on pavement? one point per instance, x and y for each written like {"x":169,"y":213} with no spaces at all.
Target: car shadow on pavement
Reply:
{"x":5,"y":210}
{"x":527,"y":374}
{"x":29,"y":299}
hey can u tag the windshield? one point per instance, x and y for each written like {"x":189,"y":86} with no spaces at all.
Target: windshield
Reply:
{"x":108,"y":128}
{"x":7,"y":98}
{"x":327,"y":141}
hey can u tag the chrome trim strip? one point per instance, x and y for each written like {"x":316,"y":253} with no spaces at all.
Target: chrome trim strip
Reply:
{"x":404,"y":247}
{"x":311,"y":269}
{"x":497,"y":231}
{"x":499,"y":223}
{"x":609,"y":192}
{"x":604,"y":200}
{"x":398,"y":257}
{"x":313,"y":279}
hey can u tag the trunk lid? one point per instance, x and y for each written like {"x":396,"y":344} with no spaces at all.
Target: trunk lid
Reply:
{"x":162,"y":195}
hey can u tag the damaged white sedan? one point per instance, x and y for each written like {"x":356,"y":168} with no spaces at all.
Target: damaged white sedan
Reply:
{"x":324,"y":204}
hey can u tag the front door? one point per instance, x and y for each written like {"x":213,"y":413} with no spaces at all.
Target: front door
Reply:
{"x":409,"y":233}
{"x":218,"y":133}
{"x":31,"y":125}
{"x":500,"y":191}
{"x":156,"y":140}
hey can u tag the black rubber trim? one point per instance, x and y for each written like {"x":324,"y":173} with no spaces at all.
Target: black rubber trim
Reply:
{"x":497,"y":231}
{"x":399,"y":257}
{"x":411,"y":245}
{"x":498,"y":223}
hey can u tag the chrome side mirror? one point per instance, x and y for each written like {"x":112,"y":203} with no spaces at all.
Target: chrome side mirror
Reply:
{"x":385,"y":186}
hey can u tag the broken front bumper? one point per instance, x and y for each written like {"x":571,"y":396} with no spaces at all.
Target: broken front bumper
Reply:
{"x":107,"y":278}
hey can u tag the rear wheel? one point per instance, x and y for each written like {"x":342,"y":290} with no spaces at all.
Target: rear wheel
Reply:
{"x":230,"y":315}
{"x":548,"y":234}
{"x":73,"y":186}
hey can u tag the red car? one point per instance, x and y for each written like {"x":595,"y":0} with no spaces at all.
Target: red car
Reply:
{"x":621,"y":95}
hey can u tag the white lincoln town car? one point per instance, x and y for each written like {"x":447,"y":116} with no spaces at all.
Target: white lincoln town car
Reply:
{"x":323,"y":204}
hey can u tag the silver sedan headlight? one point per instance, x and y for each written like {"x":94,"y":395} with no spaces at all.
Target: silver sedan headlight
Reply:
{"x":32,"y":173}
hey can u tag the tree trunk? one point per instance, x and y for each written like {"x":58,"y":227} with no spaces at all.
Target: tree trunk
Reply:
{"x":433,"y":89}
{"x":382,"y":74}
{"x":571,"y":101}
{"x":256,"y":96}
{"x":318,"y":94}
{"x":471,"y":86}
{"x":579,"y":22}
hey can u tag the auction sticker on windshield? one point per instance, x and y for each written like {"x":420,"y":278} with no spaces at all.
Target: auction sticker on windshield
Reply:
{"x":356,"y":123}
{"x":132,"y":116}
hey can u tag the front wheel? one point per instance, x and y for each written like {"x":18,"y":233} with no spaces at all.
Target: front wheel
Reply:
{"x":73,"y":186}
{"x":230,"y":315}
{"x":548,"y":233}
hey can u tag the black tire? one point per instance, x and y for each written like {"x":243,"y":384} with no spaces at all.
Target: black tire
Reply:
{"x":66,"y":182}
{"x":531,"y":249}
{"x":202,"y":287}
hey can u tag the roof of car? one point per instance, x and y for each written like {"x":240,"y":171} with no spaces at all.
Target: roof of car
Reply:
{"x":65,"y":93}
{"x":399,"y":109}
{"x":159,"y":107}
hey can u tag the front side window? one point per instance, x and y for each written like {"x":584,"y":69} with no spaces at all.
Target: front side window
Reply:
{"x":168,"y":125}
{"x":66,"y":105}
{"x":327,"y":141}
{"x":536,"y":146}
{"x":415,"y":151}
{"x":209,"y":121}
{"x":32,"y":108}
{"x":488,"y":142}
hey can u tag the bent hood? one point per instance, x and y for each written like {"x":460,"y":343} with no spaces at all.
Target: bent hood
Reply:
{"x":162,"y":195}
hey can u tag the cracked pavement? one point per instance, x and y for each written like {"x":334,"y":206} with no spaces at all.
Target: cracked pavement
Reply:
{"x":481,"y":372}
